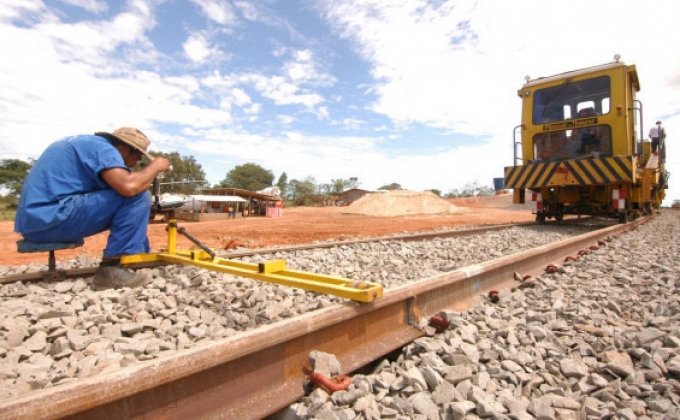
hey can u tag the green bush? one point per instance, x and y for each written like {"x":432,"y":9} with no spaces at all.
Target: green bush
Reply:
{"x":8,"y":208}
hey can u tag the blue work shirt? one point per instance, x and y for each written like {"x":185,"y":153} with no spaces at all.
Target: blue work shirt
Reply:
{"x":66,"y":170}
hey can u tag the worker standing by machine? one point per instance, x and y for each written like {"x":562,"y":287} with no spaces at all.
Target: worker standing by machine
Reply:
{"x":83,"y":185}
{"x":657,"y":134}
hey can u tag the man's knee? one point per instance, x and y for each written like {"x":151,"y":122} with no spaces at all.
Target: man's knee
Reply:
{"x":143,"y":197}
{"x":140,"y":201}
{"x":135,"y":208}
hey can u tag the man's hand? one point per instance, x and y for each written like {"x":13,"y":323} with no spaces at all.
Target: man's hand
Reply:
{"x":129,"y":184}
{"x":162,"y":163}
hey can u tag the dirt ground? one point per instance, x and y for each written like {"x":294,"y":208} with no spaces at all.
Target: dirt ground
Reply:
{"x":297,"y":226}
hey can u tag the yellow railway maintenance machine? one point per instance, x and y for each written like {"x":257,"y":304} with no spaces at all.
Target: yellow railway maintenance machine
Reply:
{"x":582,"y":147}
{"x":274,"y":271}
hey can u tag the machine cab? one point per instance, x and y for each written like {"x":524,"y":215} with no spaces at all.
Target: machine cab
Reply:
{"x":580,"y":114}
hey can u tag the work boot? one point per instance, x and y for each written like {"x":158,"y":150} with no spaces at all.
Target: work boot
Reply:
{"x":115,"y":277}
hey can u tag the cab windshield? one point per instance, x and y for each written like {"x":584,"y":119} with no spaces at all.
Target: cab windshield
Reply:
{"x":570,"y":99}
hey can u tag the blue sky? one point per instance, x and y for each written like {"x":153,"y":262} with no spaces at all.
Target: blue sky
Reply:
{"x":422,"y":93}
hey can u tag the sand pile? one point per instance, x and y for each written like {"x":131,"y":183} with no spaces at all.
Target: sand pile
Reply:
{"x":402,"y":203}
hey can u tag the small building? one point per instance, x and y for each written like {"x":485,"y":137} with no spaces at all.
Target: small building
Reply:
{"x":223,"y":203}
{"x":201,"y":207}
{"x":254,"y":203}
{"x":324,"y":200}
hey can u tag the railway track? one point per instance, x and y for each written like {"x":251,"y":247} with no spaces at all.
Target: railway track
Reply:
{"x":258,"y":372}
{"x":88,"y":271}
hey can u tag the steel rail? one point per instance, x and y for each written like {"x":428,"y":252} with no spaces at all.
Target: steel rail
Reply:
{"x":263,"y":370}
{"x":478,"y":230}
{"x":88,"y":271}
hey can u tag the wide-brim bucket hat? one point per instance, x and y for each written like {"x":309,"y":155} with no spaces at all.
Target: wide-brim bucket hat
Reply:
{"x":132,"y":137}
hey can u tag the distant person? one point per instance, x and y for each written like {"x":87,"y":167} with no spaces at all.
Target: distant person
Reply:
{"x":232,"y":212}
{"x":656,"y":133}
{"x":588,"y":138}
{"x":590,"y":142}
{"x":83,"y":185}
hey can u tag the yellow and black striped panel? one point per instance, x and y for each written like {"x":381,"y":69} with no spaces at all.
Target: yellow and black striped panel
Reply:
{"x":593,"y":171}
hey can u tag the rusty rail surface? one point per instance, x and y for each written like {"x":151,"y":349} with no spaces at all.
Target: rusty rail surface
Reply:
{"x":262,"y":371}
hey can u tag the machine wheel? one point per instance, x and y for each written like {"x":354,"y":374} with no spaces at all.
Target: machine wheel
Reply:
{"x":623,"y":217}
{"x":559,"y":216}
{"x":540,"y":218}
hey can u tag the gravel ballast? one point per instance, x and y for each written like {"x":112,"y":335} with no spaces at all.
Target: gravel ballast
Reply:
{"x":55,"y":333}
{"x":600,"y":338}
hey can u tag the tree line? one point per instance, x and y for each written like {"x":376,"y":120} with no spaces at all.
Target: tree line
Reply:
{"x":188,"y":177}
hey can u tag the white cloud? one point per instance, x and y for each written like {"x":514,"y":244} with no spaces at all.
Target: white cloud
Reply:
{"x":197,"y":48}
{"x":251,"y":12}
{"x":13,"y":9}
{"x":280,"y":52}
{"x":329,"y":157}
{"x":351,"y":123}
{"x":257,"y":11}
{"x":304,"y":69}
{"x":278,"y":151}
{"x":71,"y":82}
{"x":241,"y":97}
{"x":285,"y":119}
{"x":101,"y":43}
{"x":253,"y":110}
{"x":280,"y":90}
{"x":94,"y":6}
{"x":300,"y":70}
{"x":292,"y":87}
{"x":456,"y":64}
{"x":219,"y":11}
{"x":85,"y":77}
{"x":427,"y":63}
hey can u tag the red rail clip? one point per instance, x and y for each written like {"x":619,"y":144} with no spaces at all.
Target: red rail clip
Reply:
{"x":493,"y":296}
{"x":551,"y":268}
{"x":330,"y":385}
{"x":583,"y":252}
{"x":439,"y":323}
{"x":571,"y":258}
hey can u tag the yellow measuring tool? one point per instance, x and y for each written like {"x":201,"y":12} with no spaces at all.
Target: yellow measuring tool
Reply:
{"x":274,"y":271}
